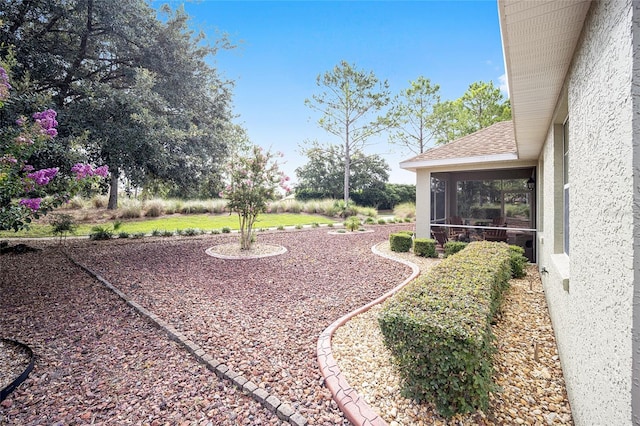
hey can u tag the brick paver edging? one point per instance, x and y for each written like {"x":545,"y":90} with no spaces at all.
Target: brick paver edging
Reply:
{"x":352,"y":405}
{"x":271,"y":402}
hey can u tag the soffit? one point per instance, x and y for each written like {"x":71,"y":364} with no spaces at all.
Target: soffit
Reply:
{"x":538,"y":40}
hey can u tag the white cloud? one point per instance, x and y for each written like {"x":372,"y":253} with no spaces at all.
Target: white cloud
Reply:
{"x":503,"y":84}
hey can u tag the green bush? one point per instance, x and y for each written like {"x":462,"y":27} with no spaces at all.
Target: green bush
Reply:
{"x":352,"y":223}
{"x":424,"y":247}
{"x":438,"y":328}
{"x":518,"y":261}
{"x":100,"y":233}
{"x":226,"y":230}
{"x":62,"y":225}
{"x":382,"y":221}
{"x":400,"y":242}
{"x":156,"y":233}
{"x":452,"y":247}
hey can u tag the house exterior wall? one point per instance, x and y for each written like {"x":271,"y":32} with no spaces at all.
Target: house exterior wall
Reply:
{"x":593,"y":312}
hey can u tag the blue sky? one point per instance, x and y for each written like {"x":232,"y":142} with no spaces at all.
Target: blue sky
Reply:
{"x":284,"y":45}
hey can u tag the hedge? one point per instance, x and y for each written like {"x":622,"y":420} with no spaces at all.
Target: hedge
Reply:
{"x":452,"y":247}
{"x":425,"y":247}
{"x":400,"y":241}
{"x":438,"y":328}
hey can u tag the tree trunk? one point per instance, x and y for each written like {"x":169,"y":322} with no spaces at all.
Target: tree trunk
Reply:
{"x":113,"y":190}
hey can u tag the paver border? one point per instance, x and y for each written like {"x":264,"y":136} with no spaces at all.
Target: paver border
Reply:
{"x":354,"y":407}
{"x":269,"y":401}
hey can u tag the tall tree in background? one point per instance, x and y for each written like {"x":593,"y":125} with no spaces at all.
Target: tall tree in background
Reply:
{"x":411,"y":116}
{"x":482,"y":105}
{"x":322,"y":176}
{"x":350,"y":102}
{"x":136,"y":91}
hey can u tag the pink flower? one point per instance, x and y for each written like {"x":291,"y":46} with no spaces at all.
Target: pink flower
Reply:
{"x":31,"y":203}
{"x":44,"y":176}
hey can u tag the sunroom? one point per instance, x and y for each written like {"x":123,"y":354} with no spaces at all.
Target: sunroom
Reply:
{"x":476,"y":188}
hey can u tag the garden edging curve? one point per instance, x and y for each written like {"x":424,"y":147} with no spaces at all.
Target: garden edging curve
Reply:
{"x":353,"y":405}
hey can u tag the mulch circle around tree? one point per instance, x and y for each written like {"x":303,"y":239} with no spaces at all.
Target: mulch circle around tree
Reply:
{"x":233,"y":251}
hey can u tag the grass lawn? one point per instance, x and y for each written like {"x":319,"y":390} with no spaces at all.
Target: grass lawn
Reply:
{"x":204,"y":222}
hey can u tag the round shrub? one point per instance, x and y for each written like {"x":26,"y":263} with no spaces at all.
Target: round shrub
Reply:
{"x":424,"y":247}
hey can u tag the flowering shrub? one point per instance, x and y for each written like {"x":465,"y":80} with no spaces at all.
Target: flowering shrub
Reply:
{"x":253,"y":180}
{"x":26,"y":193}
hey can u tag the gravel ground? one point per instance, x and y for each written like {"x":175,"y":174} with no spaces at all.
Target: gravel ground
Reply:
{"x":262,"y":317}
{"x":99,"y":362}
{"x":527,"y":367}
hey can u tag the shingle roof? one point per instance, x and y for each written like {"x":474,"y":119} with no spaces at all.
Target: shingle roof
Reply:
{"x":497,"y":139}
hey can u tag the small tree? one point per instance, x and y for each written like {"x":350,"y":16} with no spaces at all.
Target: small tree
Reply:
{"x":252,"y":181}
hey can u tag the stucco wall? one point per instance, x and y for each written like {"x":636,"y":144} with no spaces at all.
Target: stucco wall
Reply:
{"x":593,"y":319}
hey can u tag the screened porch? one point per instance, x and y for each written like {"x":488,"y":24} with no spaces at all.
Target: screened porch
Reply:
{"x":494,"y":205}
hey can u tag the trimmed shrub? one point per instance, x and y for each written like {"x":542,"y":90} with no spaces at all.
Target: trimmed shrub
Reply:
{"x":424,"y":247}
{"x":226,"y":230}
{"x":400,"y":242}
{"x":438,"y":328}
{"x":452,"y":247}
{"x":518,"y":261}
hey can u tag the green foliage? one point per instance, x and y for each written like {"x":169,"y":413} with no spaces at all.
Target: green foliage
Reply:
{"x":411,"y":116}
{"x":424,"y":247}
{"x":123,"y":234}
{"x":298,"y":226}
{"x":156,"y":233}
{"x":352,"y":223}
{"x":226,"y":230}
{"x":480,"y":106}
{"x":315,"y":225}
{"x":190,"y":232}
{"x":348,"y":104}
{"x":215,"y":232}
{"x":101,"y":233}
{"x":453,"y":247}
{"x":280,"y":228}
{"x":62,"y":225}
{"x":382,"y":221}
{"x":137,"y":235}
{"x":438,"y":328}
{"x":518,"y":261}
{"x":400,"y":242}
{"x":369,"y":220}
{"x":167,"y":233}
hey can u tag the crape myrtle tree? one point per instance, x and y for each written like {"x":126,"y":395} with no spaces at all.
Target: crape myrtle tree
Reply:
{"x":135,"y":90}
{"x":350,"y":102}
{"x":480,"y":106}
{"x":252,"y":180}
{"x":411,"y":118}
{"x":322,"y":176}
{"x":27,"y":192}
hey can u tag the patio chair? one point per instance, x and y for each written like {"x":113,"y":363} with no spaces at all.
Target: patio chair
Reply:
{"x":496,"y":235}
{"x":440,"y":235}
{"x":455,"y":233}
